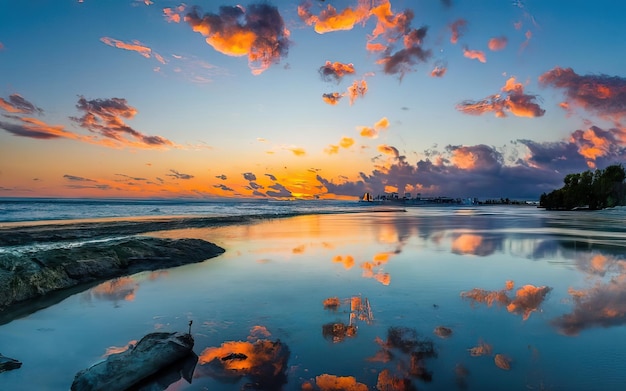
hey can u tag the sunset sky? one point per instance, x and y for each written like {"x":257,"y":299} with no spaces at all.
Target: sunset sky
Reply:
{"x":308,"y":99}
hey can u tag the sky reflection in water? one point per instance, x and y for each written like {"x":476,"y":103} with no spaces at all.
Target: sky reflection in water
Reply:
{"x":494,"y":297}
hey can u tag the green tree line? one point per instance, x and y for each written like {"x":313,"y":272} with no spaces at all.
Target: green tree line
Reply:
{"x":593,"y":189}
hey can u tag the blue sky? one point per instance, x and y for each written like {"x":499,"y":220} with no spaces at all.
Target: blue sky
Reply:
{"x":453,"y":98}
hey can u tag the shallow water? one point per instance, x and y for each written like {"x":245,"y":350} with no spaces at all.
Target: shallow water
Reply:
{"x":411,"y":266}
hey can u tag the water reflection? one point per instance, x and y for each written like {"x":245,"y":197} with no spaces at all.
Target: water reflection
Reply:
{"x":271,"y":307}
{"x":121,"y":288}
{"x":602,"y":305}
{"x":526,"y":300}
{"x":263,"y":362}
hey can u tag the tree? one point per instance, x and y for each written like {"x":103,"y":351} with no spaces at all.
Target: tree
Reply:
{"x":594,"y":190}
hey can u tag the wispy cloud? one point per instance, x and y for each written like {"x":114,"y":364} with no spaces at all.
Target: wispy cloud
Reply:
{"x":257,"y":31}
{"x":179,"y":175}
{"x":134,"y":46}
{"x":34,"y":128}
{"x":17,"y":104}
{"x":105,"y":117}
{"x":458,"y":28}
{"x":75,"y":178}
{"x":298,"y":151}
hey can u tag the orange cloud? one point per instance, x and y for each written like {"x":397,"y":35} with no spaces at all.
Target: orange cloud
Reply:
{"x":388,"y":150}
{"x":332,"y":149}
{"x":297,"y":151}
{"x":332,"y":98}
{"x":173,"y":14}
{"x":515,"y":101}
{"x":135,"y":46}
{"x":335,"y":70}
{"x":17,"y":104}
{"x":458,"y":28}
{"x":600,"y":94}
{"x":368,"y":132}
{"x":257,"y":32}
{"x":475,"y":55}
{"x":330,"y":20}
{"x":357,"y":89}
{"x":346,"y":142}
{"x":383,"y":123}
{"x":497,"y":43}
{"x":34,"y":128}
{"x":105,"y":117}
{"x":595,"y":142}
{"x":438,"y":71}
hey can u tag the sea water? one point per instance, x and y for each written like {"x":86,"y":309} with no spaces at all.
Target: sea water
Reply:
{"x":49,"y":209}
{"x":414,"y":267}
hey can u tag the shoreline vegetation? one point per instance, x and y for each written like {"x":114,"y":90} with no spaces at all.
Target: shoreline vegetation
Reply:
{"x":588,"y":190}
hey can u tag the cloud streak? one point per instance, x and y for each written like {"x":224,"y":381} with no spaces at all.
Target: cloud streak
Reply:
{"x":105,"y":117}
{"x":17,"y":104}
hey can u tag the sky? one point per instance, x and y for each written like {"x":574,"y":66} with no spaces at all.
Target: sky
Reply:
{"x":308,"y":99}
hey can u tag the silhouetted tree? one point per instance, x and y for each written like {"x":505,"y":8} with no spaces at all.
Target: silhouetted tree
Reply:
{"x":595,"y":190}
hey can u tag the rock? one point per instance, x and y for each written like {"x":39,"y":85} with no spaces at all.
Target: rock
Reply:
{"x":181,"y":369}
{"x":152,"y":354}
{"x":8,"y":364}
{"x":28,"y":275}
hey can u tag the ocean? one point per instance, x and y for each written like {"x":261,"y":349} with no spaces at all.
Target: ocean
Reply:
{"x":51,"y":209}
{"x":441,"y":298}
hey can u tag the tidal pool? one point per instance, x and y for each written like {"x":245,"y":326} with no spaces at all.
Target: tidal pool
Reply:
{"x":481,"y":298}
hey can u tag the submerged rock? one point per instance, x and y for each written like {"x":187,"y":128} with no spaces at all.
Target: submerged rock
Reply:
{"x":28,"y":275}
{"x":7,"y":363}
{"x":153,"y":353}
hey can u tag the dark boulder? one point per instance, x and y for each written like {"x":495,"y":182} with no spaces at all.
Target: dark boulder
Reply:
{"x":7,"y":363}
{"x":153,"y":354}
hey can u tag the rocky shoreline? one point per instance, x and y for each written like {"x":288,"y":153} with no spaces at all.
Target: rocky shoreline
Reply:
{"x":29,"y":276}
